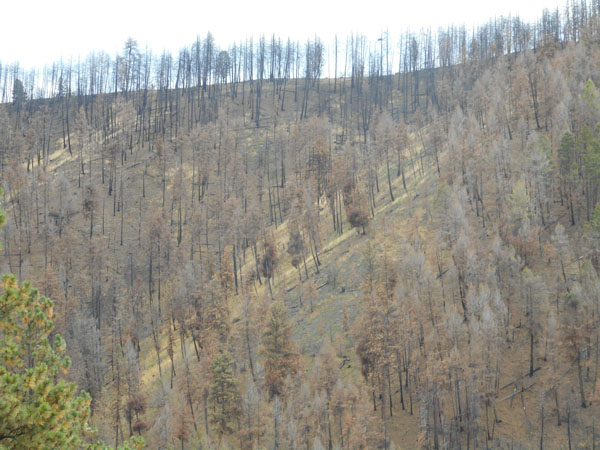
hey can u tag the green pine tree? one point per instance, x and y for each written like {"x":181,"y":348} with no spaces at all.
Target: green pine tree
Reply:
{"x":37,"y":410}
{"x":224,"y":394}
{"x":19,"y":94}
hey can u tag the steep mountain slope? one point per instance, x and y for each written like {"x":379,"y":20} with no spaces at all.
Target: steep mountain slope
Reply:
{"x":366,"y":262}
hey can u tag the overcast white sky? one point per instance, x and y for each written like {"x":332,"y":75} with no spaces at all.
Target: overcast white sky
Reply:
{"x":37,"y":32}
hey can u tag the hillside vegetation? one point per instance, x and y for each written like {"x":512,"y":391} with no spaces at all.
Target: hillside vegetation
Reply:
{"x":244,"y":253}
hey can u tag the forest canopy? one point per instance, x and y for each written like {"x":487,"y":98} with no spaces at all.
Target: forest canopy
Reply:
{"x":244,"y":250}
